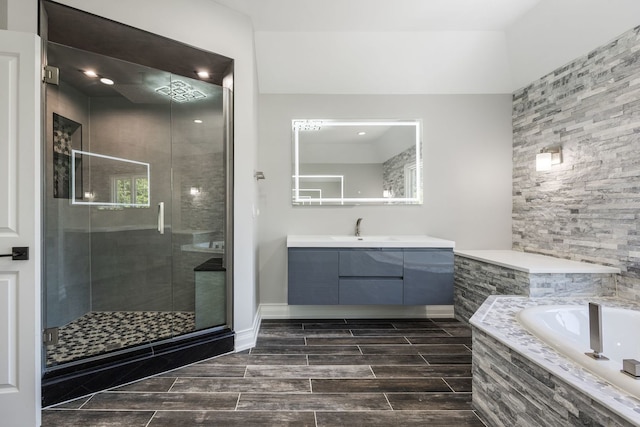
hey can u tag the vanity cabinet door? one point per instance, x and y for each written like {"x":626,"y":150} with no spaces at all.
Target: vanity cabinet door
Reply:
{"x":371,"y":263}
{"x":313,"y":276}
{"x":428,"y":277}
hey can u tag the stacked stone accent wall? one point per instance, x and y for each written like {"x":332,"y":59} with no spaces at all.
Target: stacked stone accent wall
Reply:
{"x":588,"y":207}
{"x":509,"y":390}
{"x":476,"y":280}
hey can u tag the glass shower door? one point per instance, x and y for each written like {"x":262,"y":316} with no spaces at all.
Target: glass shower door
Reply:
{"x":108,"y":207}
{"x":199,"y":202}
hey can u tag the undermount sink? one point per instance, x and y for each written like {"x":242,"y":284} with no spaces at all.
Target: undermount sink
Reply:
{"x":384,"y":241}
{"x":363,"y":238}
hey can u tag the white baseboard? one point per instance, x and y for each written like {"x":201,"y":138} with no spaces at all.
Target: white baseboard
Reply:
{"x":246,"y":339}
{"x":285,"y":311}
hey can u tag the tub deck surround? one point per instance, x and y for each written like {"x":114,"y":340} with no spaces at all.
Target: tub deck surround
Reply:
{"x":535,"y":263}
{"x":388,"y":241}
{"x":481,"y":273}
{"x":538,"y":376}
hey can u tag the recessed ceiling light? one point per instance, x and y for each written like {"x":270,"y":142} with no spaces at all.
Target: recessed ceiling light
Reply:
{"x":197,"y":121}
{"x":203,"y":74}
{"x":362,"y":133}
{"x":90,"y":73}
{"x":106,"y":81}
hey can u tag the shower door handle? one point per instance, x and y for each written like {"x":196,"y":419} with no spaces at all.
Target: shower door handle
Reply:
{"x":161,"y":217}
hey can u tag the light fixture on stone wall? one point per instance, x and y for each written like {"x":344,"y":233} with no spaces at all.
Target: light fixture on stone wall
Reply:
{"x":547,"y":157}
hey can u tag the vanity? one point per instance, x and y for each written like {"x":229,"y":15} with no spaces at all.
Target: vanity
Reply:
{"x":386,"y":270}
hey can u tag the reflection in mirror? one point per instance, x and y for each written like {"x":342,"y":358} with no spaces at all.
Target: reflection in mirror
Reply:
{"x":110,"y":181}
{"x":339,"y":162}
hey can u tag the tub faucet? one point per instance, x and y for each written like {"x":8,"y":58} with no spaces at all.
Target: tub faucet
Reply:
{"x":358,"y":227}
{"x":595,"y":331}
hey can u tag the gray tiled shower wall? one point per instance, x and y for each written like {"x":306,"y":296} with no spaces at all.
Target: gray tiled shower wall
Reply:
{"x":588,"y":207}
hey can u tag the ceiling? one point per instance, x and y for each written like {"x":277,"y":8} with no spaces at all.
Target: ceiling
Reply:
{"x":423,"y":46}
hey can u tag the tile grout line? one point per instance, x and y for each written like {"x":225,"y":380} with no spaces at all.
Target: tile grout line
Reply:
{"x":238,"y":401}
{"x":388,"y":403}
{"x":151,"y":419}
{"x":172,"y":384}
{"x":448,"y":385}
{"x":86,"y":401}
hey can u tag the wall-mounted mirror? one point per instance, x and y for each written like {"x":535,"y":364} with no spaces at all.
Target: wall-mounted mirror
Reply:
{"x":342,"y":162}
{"x":112,"y":181}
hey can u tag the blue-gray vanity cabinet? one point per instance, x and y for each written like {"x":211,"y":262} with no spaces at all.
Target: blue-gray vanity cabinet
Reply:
{"x":409,"y":276}
{"x":313,"y":276}
{"x":428,"y":276}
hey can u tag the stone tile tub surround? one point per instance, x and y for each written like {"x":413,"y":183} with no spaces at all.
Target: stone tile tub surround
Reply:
{"x":519,"y":380}
{"x":586,"y":208}
{"x":480,"y":273}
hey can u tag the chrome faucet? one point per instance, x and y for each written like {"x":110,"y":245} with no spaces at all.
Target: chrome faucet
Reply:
{"x":358,"y":227}
{"x":595,"y":331}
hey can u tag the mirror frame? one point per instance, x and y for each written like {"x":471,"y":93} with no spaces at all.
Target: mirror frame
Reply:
{"x":76,"y":200}
{"x":298,"y":125}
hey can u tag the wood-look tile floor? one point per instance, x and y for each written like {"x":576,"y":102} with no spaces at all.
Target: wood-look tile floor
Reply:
{"x":351,"y":372}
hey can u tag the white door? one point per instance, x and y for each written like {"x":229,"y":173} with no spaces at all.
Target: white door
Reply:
{"x":20,"y":192}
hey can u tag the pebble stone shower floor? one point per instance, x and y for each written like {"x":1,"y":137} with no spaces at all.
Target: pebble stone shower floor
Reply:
{"x":98,"y":332}
{"x":338,"y":372}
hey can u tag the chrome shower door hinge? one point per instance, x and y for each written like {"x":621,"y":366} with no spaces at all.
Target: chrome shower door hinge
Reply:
{"x":50,"y":336}
{"x":51,"y":75}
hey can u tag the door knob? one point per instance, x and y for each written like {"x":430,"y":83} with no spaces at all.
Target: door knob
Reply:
{"x":18,"y":253}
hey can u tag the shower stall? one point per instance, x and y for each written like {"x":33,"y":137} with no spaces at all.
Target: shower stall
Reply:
{"x":136,"y":220}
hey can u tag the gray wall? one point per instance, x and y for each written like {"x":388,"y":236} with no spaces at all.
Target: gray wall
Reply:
{"x":587,"y":208}
{"x":467,"y":167}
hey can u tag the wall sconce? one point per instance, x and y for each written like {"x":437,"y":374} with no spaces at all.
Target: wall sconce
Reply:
{"x":258,"y":175}
{"x":194,"y":191}
{"x":547,"y":157}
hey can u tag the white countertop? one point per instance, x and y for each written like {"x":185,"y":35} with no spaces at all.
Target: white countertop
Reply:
{"x":390,"y":241}
{"x":535,"y":263}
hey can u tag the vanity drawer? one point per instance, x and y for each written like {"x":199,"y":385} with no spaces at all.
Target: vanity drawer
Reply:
{"x":371,"y":291}
{"x":371,"y":263}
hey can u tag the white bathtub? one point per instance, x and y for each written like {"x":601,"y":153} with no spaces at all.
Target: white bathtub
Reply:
{"x":566,"y":329}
